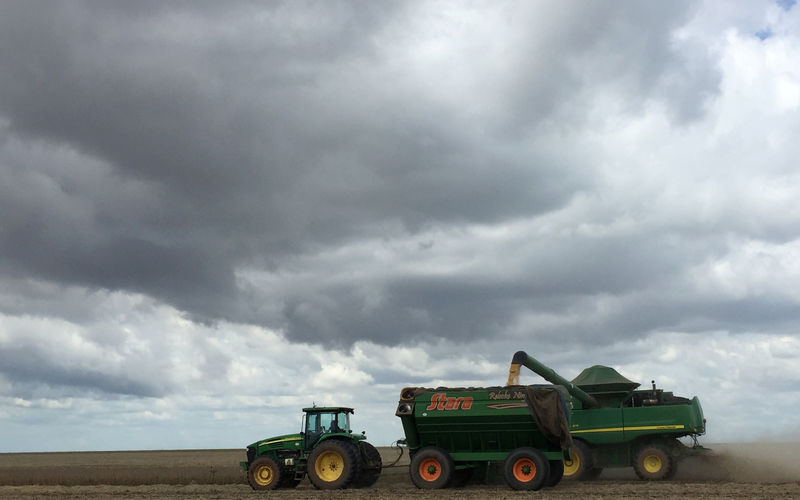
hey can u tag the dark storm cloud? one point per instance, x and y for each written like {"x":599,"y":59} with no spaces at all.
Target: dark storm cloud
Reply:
{"x":159,"y":148}
{"x":34,"y":373}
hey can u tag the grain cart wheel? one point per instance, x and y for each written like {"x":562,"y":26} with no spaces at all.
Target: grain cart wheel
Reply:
{"x":431,"y":468}
{"x":581,"y":462}
{"x":333,"y":464}
{"x":264,"y":474}
{"x":556,"y":473}
{"x":526,"y":469}
{"x":653,"y":462}
{"x":371,"y":469}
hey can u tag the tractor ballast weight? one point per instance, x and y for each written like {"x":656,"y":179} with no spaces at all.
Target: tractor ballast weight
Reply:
{"x":455,"y":433}
{"x":326,"y":450}
{"x":615,"y":425}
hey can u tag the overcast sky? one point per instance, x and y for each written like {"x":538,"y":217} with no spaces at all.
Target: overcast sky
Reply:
{"x":214,"y":214}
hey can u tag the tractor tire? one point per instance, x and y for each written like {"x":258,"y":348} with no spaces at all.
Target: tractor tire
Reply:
{"x":581,"y":463}
{"x":371,"y":469}
{"x":556,"y":473}
{"x":333,"y":465}
{"x":526,"y":469}
{"x":431,"y":468}
{"x":265,"y":474}
{"x":654,"y":463}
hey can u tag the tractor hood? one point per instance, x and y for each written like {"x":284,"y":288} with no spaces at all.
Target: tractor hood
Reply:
{"x":286,"y":441}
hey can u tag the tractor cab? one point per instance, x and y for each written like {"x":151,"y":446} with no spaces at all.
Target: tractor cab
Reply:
{"x":323,"y":421}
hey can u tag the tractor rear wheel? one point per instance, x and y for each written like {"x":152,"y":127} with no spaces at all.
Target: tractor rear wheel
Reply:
{"x":371,"y":469}
{"x":333,"y":464}
{"x":431,"y":468}
{"x":654,"y":462}
{"x":579,"y":466}
{"x":526,"y":469}
{"x":264,"y":474}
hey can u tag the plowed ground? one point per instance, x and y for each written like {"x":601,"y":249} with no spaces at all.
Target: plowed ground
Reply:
{"x":732,"y":471}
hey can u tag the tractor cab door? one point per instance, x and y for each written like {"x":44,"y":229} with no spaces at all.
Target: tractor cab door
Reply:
{"x":325,"y":422}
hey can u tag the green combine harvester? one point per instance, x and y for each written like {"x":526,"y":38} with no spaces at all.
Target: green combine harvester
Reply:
{"x":614,"y":425}
{"x":326,"y":450}
{"x":454,"y":434}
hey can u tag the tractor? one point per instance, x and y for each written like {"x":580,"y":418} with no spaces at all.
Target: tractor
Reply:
{"x":326,"y":450}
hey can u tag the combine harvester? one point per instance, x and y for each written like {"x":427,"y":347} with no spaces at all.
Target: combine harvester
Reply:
{"x":614,"y":425}
{"x":453,"y":434}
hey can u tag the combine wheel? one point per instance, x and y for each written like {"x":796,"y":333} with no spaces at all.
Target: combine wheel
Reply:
{"x":526,"y":469}
{"x":581,"y":462}
{"x":333,"y":464}
{"x":264,"y":474}
{"x":556,"y":473}
{"x":431,"y":468}
{"x":654,"y":463}
{"x":371,"y":469}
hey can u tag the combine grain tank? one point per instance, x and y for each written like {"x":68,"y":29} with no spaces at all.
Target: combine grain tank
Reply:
{"x":453,"y":434}
{"x":615,"y":425}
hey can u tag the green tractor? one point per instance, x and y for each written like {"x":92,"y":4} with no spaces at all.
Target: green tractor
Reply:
{"x":326,"y":450}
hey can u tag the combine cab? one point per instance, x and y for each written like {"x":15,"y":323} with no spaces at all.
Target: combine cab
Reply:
{"x":615,"y":425}
{"x":326,"y":451}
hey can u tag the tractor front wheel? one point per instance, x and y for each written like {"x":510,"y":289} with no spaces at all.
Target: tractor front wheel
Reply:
{"x":333,"y":464}
{"x":264,"y":474}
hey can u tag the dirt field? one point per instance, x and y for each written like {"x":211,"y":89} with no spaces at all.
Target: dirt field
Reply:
{"x":732,"y":471}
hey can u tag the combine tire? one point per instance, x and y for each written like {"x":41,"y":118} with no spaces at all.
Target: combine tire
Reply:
{"x":526,"y":469}
{"x":556,"y":473}
{"x":265,"y":474}
{"x":431,"y":468}
{"x":653,"y":463}
{"x":581,"y":463}
{"x":371,"y":469}
{"x":333,"y":465}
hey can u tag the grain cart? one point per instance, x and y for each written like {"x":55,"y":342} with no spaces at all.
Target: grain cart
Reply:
{"x":453,"y":433}
{"x":614,"y":425}
{"x":326,"y":450}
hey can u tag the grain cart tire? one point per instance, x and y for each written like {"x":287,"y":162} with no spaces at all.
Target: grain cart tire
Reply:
{"x":526,"y":469}
{"x":431,"y":468}
{"x":653,"y":463}
{"x":333,"y":465}
{"x":556,"y":473}
{"x":579,"y":466}
{"x":371,"y":470}
{"x":264,"y":474}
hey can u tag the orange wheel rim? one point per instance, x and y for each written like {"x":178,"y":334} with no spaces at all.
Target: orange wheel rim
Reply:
{"x":430,"y":469}
{"x":524,"y":470}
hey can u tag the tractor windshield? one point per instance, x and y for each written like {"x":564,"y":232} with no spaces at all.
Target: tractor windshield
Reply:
{"x":324,"y":422}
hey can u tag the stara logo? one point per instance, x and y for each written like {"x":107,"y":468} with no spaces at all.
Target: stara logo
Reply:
{"x":440,"y":401}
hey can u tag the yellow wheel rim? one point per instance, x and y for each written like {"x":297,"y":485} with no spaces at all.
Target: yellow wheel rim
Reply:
{"x":263,"y":475}
{"x":329,"y":466}
{"x":571,"y":467}
{"x":652,"y":463}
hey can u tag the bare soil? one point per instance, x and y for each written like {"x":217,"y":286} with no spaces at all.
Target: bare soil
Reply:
{"x":732,"y":471}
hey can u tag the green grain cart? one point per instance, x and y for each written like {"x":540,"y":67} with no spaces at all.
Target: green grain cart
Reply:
{"x":326,"y":450}
{"x":453,"y":434}
{"x":614,"y":425}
